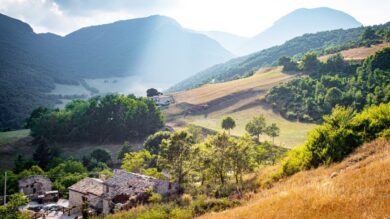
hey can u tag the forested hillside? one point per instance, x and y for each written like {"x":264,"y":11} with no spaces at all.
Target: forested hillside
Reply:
{"x":335,"y":82}
{"x":322,"y":43}
{"x":155,"y":48}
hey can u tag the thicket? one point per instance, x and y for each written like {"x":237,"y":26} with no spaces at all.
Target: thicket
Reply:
{"x":110,"y":118}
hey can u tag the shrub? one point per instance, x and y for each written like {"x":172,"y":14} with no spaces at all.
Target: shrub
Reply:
{"x":180,"y":213}
{"x":155,"y":198}
{"x":202,"y":205}
{"x":186,"y":199}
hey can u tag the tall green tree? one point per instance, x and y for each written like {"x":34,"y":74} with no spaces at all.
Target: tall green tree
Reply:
{"x":152,"y":143}
{"x":310,"y":63}
{"x":256,"y":126}
{"x":273,"y":131}
{"x":176,"y":155}
{"x":228,"y":123}
{"x":217,"y":151}
{"x":241,"y":156}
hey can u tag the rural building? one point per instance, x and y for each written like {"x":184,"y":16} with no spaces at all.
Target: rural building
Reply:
{"x":162,"y":100}
{"x":122,"y":191}
{"x":35,"y":186}
{"x":125,"y":190}
{"x":87,"y":190}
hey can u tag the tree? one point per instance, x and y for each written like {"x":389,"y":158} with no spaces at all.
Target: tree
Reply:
{"x":137,"y":161}
{"x":21,"y":163}
{"x":310,"y":63}
{"x":272,"y":131}
{"x":218,"y":160}
{"x":333,"y":96}
{"x":151,"y":92}
{"x":152,"y":143}
{"x":176,"y":154}
{"x":126,"y":148}
{"x":10,"y":210}
{"x":101,"y":155}
{"x":228,"y":123}
{"x":241,"y":155}
{"x":288,"y":64}
{"x":43,"y":154}
{"x":369,"y":34}
{"x":256,"y":127}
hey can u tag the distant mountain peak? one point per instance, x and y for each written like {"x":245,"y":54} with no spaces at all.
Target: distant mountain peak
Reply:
{"x":297,"y":23}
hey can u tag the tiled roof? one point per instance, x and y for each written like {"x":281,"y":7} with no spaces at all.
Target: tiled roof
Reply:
{"x":88,"y":185}
{"x":130,"y":183}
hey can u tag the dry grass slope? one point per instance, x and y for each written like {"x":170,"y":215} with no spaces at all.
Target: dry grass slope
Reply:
{"x":358,"y":187}
{"x":359,"y":53}
{"x":242,"y":99}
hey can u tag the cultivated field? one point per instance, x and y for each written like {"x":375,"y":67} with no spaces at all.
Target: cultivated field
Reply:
{"x":359,"y":53}
{"x":343,"y":190}
{"x":242,"y":99}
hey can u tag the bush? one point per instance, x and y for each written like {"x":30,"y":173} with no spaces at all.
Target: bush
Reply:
{"x":155,"y":198}
{"x":179,"y":213}
{"x":186,"y":199}
{"x":338,"y":136}
{"x":202,"y":205}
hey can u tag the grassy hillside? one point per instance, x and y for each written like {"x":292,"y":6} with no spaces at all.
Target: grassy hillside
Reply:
{"x":322,"y":43}
{"x":342,"y":190}
{"x":359,"y":53}
{"x":242,"y":99}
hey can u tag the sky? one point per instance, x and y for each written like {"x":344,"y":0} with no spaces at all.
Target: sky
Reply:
{"x":241,"y":17}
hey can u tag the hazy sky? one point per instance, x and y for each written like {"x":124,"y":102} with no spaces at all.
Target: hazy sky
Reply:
{"x":242,"y":17}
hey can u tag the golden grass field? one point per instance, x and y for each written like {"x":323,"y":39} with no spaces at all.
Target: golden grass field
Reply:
{"x":358,"y":187}
{"x":242,"y":99}
{"x":359,"y":53}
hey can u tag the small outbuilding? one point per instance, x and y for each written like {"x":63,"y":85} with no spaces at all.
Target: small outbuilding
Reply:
{"x":35,"y":186}
{"x":87,"y":190}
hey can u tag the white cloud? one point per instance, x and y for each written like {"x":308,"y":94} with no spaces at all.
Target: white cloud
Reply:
{"x":243,"y":17}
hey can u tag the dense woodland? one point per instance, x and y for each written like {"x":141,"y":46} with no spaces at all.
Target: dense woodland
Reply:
{"x":110,"y":118}
{"x":335,"y":82}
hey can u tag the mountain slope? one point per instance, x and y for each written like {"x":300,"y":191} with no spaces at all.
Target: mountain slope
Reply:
{"x":155,"y":48}
{"x":354,"y":188}
{"x":297,"y":23}
{"x":230,"y":41}
{"x":321,"y":42}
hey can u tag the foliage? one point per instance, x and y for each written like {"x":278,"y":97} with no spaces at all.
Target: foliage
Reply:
{"x":152,"y":143}
{"x":228,"y":123}
{"x":288,"y":64}
{"x":342,"y":132}
{"x":267,"y":153}
{"x":137,"y":161}
{"x":310,"y":63}
{"x":108,"y":118}
{"x":151,"y":92}
{"x":101,"y":155}
{"x":175,"y":155}
{"x":256,"y":126}
{"x":203,"y":205}
{"x":10,"y":210}
{"x":326,"y":42}
{"x":66,"y":174}
{"x":310,"y":98}
{"x":43,"y":154}
{"x":273,"y":131}
{"x":155,"y":198}
{"x":126,"y":148}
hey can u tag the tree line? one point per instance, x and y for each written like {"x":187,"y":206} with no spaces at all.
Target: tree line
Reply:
{"x":331,"y":83}
{"x":110,"y":118}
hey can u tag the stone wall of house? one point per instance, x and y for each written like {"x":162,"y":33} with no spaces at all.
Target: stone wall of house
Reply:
{"x":35,"y":185}
{"x":75,"y":199}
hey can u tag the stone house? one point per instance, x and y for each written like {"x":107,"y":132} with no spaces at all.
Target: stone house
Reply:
{"x":35,"y":186}
{"x":125,"y":189}
{"x":87,"y":190}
